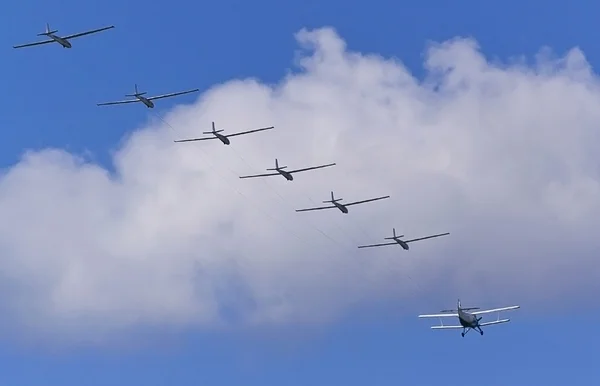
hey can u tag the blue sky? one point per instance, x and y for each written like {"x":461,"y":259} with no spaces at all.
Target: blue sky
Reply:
{"x":49,"y":100}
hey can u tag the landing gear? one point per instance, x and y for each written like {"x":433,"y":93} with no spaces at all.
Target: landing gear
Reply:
{"x":467,"y":329}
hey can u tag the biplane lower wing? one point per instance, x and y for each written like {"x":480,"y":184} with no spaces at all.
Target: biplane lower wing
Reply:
{"x":443,"y":327}
{"x":494,"y":322}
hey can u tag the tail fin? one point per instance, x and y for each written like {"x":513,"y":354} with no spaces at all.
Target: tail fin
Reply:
{"x":333,"y":199}
{"x":277,"y":167}
{"x":136,"y":92}
{"x":213,"y":130}
{"x":48,"y":31}
{"x":394,"y":237}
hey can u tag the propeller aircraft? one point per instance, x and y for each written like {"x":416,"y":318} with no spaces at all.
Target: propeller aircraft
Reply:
{"x":469,"y":320}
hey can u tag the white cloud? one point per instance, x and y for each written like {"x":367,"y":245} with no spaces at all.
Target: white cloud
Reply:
{"x":503,"y":157}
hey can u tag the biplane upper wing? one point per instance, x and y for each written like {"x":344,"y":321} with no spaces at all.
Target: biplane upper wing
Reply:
{"x":369,"y":200}
{"x":317,"y":208}
{"x":441,"y":315}
{"x":249,"y":131}
{"x":172,"y":94}
{"x":377,"y":245}
{"x":261,"y":175}
{"x":495,"y":310}
{"x":118,"y":102}
{"x":34,"y":44}
{"x":87,"y":32}
{"x":311,"y":168}
{"x":427,"y":237}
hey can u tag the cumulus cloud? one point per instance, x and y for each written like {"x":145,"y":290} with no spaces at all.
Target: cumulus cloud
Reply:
{"x":502,"y":156}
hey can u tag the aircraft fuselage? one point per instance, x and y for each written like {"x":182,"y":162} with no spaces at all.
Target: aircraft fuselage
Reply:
{"x":402,"y":244}
{"x":145,"y":101}
{"x":63,"y":42}
{"x":287,"y":175}
{"x":223,"y":138}
{"x":341,"y":207}
{"x":467,"y":320}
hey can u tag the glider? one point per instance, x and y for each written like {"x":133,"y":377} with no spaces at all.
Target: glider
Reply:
{"x":342,"y":207}
{"x":398,"y":241}
{"x":62,"y":40}
{"x":139,"y":97}
{"x":287,"y":173}
{"x":222,"y":137}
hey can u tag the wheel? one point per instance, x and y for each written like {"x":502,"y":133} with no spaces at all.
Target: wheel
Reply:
{"x":481,"y":332}
{"x":463,"y":334}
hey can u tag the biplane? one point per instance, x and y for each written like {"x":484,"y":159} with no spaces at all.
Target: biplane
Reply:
{"x":62,"y":40}
{"x":469,"y":320}
{"x":342,"y":207}
{"x":139,"y":97}
{"x":222,"y":137}
{"x":287,"y":173}
{"x":398,"y":241}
